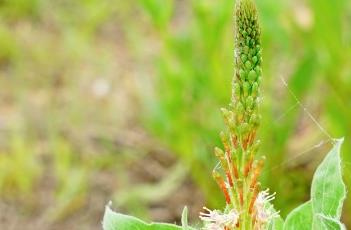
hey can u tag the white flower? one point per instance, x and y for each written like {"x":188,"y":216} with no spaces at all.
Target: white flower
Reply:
{"x":263,"y":207}
{"x":215,"y":220}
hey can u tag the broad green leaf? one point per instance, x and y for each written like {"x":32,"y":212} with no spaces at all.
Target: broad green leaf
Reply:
{"x":300,"y":218}
{"x":328,"y":192}
{"x":117,"y":221}
{"x":328,"y":189}
{"x":323,"y":222}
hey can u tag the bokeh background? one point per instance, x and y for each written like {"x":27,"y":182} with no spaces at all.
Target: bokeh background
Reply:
{"x":119,"y":100}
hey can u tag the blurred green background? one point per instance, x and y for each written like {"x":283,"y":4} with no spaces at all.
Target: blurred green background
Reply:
{"x":119,"y":100}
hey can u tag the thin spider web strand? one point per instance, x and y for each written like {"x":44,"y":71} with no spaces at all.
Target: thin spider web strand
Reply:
{"x":306,"y":111}
{"x":320,"y":144}
{"x":323,"y":130}
{"x":287,"y":112}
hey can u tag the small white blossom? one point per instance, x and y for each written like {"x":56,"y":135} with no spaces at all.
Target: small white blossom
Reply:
{"x":263,"y":208}
{"x":215,"y":220}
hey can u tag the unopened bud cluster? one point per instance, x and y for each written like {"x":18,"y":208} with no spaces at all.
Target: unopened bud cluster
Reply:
{"x":248,"y":72}
{"x":238,"y":178}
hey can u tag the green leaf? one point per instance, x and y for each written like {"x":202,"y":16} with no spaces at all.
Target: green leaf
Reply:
{"x":324,"y":222}
{"x":328,"y":193}
{"x":185,"y":218}
{"x":328,"y":189}
{"x":162,"y":226}
{"x":117,"y":221}
{"x":276,"y":224}
{"x":300,"y":218}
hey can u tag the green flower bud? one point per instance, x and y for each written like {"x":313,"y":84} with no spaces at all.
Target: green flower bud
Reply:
{"x":255,"y":147}
{"x":258,"y":70}
{"x":254,"y":89}
{"x":247,"y":71}
{"x":248,"y":65}
{"x":248,"y":40}
{"x":249,"y":102}
{"x":220,"y":155}
{"x":255,"y":120}
{"x":246,"y":49}
{"x":252,"y":76}
{"x":227,"y":116}
{"x":239,"y":107}
{"x":218,"y":152}
{"x":246,"y":88}
{"x":242,"y":74}
{"x":243,"y":58}
{"x":244,"y":128}
{"x":224,"y":139}
{"x":258,"y":48}
{"x":239,"y":111}
{"x":252,"y":42}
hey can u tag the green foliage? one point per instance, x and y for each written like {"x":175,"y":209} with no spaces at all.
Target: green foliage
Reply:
{"x":300,"y":218}
{"x":328,"y":192}
{"x":194,"y":68}
{"x":43,"y":44}
{"x":191,"y":82}
{"x":51,"y":50}
{"x":160,"y":11}
{"x":19,"y":168}
{"x":15,"y":9}
{"x":324,"y":222}
{"x":117,"y":221}
{"x":321,"y":212}
{"x":276,"y":224}
{"x":8,"y":46}
{"x":71,"y":189}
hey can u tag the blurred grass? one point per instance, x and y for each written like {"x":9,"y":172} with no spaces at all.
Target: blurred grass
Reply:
{"x":76,"y":74}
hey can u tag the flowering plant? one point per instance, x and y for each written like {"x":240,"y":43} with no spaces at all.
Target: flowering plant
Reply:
{"x":248,"y":206}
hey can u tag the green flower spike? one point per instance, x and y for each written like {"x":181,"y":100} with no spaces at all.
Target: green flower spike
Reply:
{"x":240,"y":167}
